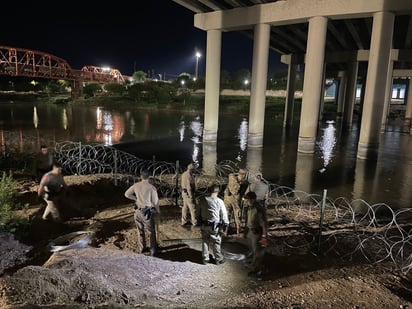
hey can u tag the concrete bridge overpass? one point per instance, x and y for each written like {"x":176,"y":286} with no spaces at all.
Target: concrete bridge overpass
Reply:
{"x":367,"y":40}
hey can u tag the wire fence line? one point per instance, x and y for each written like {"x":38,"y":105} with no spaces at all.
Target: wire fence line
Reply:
{"x":338,"y":226}
{"x":321,"y":225}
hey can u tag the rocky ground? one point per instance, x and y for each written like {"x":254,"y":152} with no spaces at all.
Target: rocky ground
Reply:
{"x":108,"y":273}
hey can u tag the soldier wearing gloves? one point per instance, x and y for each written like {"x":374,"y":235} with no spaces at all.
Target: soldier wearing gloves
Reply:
{"x":144,"y":194}
{"x":214,"y":221}
{"x":257,"y":231}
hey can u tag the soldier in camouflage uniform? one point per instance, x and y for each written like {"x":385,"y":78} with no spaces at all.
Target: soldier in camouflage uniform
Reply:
{"x":236,"y":187}
{"x":188,"y":195}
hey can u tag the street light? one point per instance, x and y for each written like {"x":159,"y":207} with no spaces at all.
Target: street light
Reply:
{"x":197,"y":63}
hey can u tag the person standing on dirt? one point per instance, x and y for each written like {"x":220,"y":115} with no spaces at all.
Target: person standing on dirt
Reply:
{"x":52,"y":189}
{"x":43,"y":162}
{"x":236,"y":187}
{"x":260,"y":187}
{"x":257,"y":232}
{"x":188,"y":195}
{"x":214,"y":222}
{"x":146,"y":204}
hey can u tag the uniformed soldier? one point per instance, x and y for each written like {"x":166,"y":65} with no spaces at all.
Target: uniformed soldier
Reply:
{"x":214,"y":222}
{"x":188,"y":191}
{"x":52,"y":188}
{"x":146,"y":199}
{"x":257,"y":231}
{"x":260,"y":187}
{"x":236,"y":187}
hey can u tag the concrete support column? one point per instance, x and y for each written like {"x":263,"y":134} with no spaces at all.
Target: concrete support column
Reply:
{"x":290,"y":92}
{"x":209,"y":158}
{"x":212,"y":85}
{"x":350,"y":96}
{"x":258,"y":86}
{"x":322,"y":96}
{"x":312,"y":86}
{"x":407,"y":124}
{"x":341,"y":92}
{"x":254,"y":159}
{"x":379,"y":59}
{"x":388,"y":97}
{"x":359,"y":185}
{"x":303,"y":176}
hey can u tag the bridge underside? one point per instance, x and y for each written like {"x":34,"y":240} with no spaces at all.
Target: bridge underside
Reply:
{"x":354,"y":41}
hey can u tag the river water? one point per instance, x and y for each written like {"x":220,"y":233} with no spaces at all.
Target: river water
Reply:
{"x":177,"y":136}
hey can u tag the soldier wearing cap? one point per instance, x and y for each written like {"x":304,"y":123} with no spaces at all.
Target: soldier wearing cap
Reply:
{"x":236,"y":187}
{"x":257,"y":231}
{"x":260,"y":187}
{"x":214,"y":222}
{"x":188,"y":195}
{"x":146,"y":200}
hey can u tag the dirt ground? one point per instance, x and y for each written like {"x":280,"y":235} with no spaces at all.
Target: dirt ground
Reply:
{"x":106,"y":272}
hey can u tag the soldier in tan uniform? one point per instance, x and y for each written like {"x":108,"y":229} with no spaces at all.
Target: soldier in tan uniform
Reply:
{"x":214,"y":222}
{"x":146,"y":200}
{"x":188,"y":195}
{"x":236,"y":187}
{"x":260,"y":187}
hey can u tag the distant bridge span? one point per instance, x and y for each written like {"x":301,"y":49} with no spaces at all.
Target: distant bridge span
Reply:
{"x":30,"y":63}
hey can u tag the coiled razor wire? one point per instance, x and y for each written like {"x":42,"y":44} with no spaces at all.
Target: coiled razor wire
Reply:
{"x":316,"y":225}
{"x":349,"y":228}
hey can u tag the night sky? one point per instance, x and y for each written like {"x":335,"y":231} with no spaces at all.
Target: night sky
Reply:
{"x":154,"y":36}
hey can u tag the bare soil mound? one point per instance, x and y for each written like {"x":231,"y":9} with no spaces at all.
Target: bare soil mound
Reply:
{"x":108,"y":273}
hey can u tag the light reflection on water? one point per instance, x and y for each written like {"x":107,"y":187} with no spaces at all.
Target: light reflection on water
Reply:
{"x":172,"y":136}
{"x":327,"y":143}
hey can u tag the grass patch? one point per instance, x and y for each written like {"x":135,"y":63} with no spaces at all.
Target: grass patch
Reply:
{"x":8,"y":203}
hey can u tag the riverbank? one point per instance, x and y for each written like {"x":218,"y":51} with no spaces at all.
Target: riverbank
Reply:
{"x":108,"y":273}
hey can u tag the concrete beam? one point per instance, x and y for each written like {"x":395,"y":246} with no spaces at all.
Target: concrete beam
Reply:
{"x":349,"y":56}
{"x":294,"y":11}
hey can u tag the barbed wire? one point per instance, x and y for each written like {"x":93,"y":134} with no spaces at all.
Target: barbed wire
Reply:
{"x":317,"y":224}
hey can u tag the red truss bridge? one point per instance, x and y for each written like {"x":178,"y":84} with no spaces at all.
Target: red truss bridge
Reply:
{"x":36,"y":64}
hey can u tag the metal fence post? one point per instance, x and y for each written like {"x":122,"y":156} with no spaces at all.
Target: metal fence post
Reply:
{"x":322,"y":209}
{"x":153,"y":164}
{"x":115,"y":167}
{"x":177,"y":183}
{"x":80,"y":158}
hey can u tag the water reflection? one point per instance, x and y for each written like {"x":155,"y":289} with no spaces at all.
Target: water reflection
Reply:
{"x":64,"y":119}
{"x":327,"y":144}
{"x":334,"y":168}
{"x":196,"y":128}
{"x":3,"y":144}
{"x":181,"y":129}
{"x":35,"y":117}
{"x":242,"y":136}
{"x":110,"y":127}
